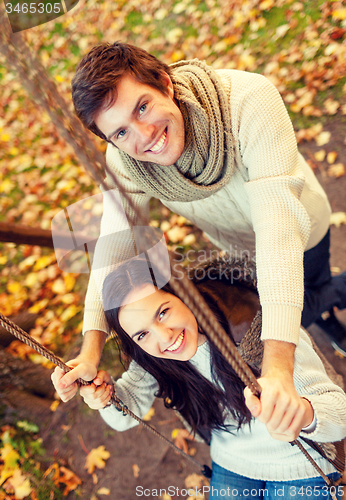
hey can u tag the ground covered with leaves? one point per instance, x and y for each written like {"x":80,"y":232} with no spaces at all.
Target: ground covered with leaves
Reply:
{"x":301,"y":48}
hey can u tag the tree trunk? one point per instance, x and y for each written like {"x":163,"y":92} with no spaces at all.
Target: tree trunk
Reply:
{"x":26,"y":389}
{"x":25,"y":320}
{"x":25,"y":235}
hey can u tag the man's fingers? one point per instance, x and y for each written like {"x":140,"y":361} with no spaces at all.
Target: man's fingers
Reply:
{"x":252,"y":402}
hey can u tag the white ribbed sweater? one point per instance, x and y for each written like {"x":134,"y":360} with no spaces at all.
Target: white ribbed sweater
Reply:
{"x":273,"y":207}
{"x":252,"y":452}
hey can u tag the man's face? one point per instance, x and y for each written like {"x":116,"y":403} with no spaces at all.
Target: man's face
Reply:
{"x":144,"y":123}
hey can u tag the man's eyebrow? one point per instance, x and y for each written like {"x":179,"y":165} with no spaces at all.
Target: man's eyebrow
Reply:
{"x":134,"y":111}
{"x":153,"y":318}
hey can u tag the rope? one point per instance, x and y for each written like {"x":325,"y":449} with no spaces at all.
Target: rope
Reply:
{"x":45,"y":92}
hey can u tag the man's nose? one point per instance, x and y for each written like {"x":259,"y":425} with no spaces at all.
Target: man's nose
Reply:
{"x":146,"y":131}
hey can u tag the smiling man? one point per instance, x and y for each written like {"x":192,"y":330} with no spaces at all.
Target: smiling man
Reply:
{"x":218,"y":147}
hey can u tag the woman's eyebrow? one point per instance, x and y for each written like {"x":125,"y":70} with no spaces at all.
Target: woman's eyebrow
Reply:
{"x":153,"y":318}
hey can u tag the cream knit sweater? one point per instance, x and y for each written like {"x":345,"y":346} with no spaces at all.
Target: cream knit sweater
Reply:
{"x":273,"y":208}
{"x":251,"y":451}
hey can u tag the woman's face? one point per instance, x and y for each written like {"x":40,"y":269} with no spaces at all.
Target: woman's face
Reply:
{"x":161,"y":324}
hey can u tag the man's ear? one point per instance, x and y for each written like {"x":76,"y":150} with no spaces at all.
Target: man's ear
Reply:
{"x":168,"y":84}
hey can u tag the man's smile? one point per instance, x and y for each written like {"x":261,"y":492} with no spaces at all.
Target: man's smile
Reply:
{"x":159,"y":144}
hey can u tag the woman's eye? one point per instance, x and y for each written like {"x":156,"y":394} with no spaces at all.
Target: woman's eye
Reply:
{"x":141,"y":336}
{"x":162,"y":313}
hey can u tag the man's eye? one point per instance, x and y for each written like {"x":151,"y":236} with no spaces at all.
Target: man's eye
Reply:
{"x":121,"y":134}
{"x":142,"y":108}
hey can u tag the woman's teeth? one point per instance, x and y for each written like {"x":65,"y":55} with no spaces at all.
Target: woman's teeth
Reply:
{"x":159,"y":143}
{"x":177,"y":343}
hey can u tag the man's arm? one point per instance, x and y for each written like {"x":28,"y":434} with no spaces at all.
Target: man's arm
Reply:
{"x":280,"y":407}
{"x":84,"y":366}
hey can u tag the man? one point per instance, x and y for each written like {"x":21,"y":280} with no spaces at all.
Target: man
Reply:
{"x":219,"y":148}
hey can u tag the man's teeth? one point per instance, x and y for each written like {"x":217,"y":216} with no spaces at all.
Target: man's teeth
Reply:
{"x":177,"y":343}
{"x":159,"y":143}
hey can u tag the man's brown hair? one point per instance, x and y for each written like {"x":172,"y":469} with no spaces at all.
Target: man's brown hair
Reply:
{"x":99,"y":71}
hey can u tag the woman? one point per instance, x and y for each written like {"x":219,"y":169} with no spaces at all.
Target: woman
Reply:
{"x":175,"y":360}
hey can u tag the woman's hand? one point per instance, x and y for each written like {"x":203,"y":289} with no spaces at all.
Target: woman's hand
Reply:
{"x":287,"y":414}
{"x":65,"y":383}
{"x":98,"y":394}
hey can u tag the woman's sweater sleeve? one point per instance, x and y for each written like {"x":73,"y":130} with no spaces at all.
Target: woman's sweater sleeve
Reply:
{"x":136,"y":389}
{"x":275,"y":182}
{"x":115,"y":244}
{"x":327,"y":399}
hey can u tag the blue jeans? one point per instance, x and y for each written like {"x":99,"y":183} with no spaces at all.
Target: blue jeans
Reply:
{"x":225,"y":485}
{"x":322,"y":291}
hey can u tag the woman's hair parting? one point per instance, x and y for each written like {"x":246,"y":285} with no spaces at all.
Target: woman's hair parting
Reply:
{"x":201,"y":403}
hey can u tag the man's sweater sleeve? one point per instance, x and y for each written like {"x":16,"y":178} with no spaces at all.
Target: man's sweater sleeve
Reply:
{"x":115,"y":244}
{"x":269,"y":151}
{"x":136,"y":389}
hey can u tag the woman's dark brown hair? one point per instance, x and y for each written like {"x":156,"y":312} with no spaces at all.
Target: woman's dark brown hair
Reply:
{"x":99,"y":71}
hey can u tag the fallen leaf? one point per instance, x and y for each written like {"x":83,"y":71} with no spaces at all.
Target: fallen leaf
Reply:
{"x":323,"y":138}
{"x":149,"y":415}
{"x":21,"y":485}
{"x":135,"y":470}
{"x":104,"y":491}
{"x":70,"y":479}
{"x":336,"y":170}
{"x":338,"y":218}
{"x":320,"y":155}
{"x":331,"y":157}
{"x":96,"y":458}
{"x":54,"y":405}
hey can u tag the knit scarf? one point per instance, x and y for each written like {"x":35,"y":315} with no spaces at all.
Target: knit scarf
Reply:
{"x":207,"y":162}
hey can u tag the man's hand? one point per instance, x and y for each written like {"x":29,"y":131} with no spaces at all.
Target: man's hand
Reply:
{"x":280,"y":408}
{"x":98,"y":394}
{"x":65,"y":384}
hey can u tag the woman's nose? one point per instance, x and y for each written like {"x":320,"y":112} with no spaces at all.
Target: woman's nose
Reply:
{"x":164,"y":336}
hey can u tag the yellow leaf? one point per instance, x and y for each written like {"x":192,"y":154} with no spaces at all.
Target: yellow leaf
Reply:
{"x":6,"y":186}
{"x":9,"y":456}
{"x":54,"y":405}
{"x":339,"y":14}
{"x":21,"y":485}
{"x":38,"y":306}
{"x":69,"y":313}
{"x":149,"y":415}
{"x":70,"y":282}
{"x":31,"y":280}
{"x":135,"y":470}
{"x":336,"y":170}
{"x":96,"y":458}
{"x":338,"y":218}
{"x":44,"y":261}
{"x":323,"y":138}
{"x":3,"y":260}
{"x":5,"y":137}
{"x":14,"y":287}
{"x":104,"y":491}
{"x":331,"y":157}
{"x":320,"y":155}
{"x":58,"y":287}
